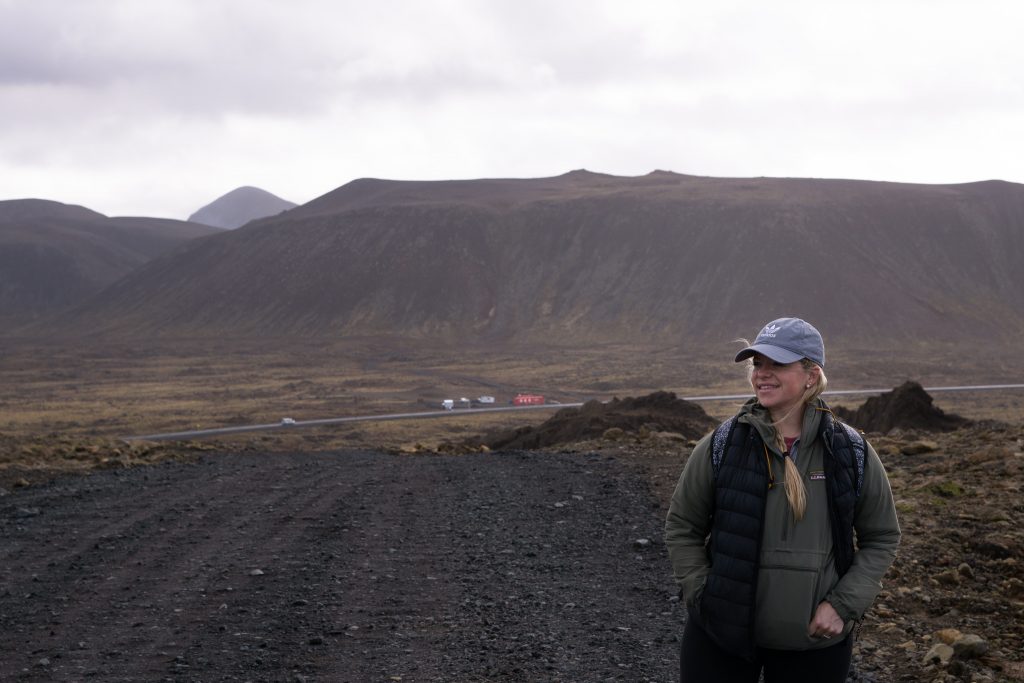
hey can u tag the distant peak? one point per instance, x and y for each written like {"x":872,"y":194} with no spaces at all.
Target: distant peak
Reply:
{"x":369,"y":181}
{"x":238,"y":207}
{"x":660,"y":174}
{"x":248,"y":190}
{"x":584,"y":174}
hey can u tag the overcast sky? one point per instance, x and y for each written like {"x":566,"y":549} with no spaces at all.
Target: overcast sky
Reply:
{"x":157,"y":107}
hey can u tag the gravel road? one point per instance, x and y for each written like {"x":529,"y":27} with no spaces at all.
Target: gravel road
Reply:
{"x":345,"y":566}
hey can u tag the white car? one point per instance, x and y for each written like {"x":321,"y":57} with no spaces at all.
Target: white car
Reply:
{"x":485,"y":399}
{"x":287,"y":421}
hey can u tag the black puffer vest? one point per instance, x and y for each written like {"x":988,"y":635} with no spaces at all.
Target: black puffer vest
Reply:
{"x":727,"y":604}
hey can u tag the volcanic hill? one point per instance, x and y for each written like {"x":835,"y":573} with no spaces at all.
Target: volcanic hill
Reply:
{"x":238,"y":207}
{"x":55,"y":255}
{"x":585,"y":257}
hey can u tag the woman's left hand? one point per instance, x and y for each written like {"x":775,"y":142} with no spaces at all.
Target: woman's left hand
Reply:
{"x":826,"y":622}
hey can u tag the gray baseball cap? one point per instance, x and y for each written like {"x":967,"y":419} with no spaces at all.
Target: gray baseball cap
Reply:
{"x":787,"y":340}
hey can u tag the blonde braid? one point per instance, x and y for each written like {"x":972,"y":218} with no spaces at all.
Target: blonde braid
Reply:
{"x":796,"y":492}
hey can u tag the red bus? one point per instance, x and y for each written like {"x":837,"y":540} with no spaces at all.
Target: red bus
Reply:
{"x":528,"y":400}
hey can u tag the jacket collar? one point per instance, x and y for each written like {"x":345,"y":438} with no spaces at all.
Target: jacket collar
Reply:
{"x":756,"y":415}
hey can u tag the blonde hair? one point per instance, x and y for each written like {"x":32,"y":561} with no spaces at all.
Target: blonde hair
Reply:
{"x":796,"y":492}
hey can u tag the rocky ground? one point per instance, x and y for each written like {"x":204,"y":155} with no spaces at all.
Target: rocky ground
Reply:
{"x":344,"y":566}
{"x":544,"y":565}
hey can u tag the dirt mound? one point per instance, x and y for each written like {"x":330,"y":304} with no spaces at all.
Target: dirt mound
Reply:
{"x":661,"y":411}
{"x":908,"y":406}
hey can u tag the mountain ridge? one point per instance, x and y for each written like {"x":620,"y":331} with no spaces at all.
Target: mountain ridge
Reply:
{"x":597,"y":258}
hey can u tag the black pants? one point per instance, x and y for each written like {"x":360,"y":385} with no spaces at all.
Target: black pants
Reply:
{"x":702,"y":661}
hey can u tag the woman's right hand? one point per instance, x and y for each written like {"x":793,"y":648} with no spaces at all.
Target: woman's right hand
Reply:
{"x":826,"y":622}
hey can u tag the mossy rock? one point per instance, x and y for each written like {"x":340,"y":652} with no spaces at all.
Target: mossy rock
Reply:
{"x":949,"y":489}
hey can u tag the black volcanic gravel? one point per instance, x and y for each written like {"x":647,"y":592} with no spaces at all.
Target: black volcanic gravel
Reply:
{"x":348,"y":566}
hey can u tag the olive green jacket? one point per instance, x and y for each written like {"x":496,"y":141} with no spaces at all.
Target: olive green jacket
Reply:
{"x":797,"y":569}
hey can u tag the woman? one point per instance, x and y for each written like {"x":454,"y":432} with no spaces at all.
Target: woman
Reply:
{"x":781,"y":527}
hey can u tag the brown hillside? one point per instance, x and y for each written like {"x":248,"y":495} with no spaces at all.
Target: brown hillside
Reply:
{"x":589,"y":257}
{"x":54,"y":255}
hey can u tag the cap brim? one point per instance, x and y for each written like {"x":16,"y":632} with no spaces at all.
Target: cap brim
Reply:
{"x":776,"y":353}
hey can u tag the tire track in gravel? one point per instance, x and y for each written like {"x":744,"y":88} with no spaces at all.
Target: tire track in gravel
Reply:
{"x":348,"y":566}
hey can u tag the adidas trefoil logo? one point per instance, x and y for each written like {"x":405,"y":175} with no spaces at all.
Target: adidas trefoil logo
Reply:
{"x":769,"y":331}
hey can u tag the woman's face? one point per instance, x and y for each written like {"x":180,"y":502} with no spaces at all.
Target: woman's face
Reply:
{"x":779,"y":387}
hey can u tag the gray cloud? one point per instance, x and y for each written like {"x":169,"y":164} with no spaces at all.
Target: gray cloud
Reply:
{"x":105,"y":100}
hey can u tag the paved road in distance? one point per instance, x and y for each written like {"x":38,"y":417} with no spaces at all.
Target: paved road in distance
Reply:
{"x":201,"y":433}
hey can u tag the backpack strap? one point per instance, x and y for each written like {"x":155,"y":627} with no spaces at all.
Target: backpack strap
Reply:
{"x":859,"y":453}
{"x":844,"y":475}
{"x":719,"y":441}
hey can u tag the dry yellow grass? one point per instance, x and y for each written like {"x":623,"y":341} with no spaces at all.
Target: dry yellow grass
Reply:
{"x":83,"y":391}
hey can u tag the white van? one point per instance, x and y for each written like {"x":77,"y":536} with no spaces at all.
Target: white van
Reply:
{"x":448,"y":404}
